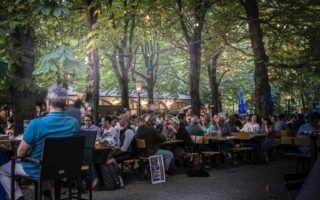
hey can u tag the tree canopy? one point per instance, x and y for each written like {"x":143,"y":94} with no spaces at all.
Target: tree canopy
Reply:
{"x":201,"y":48}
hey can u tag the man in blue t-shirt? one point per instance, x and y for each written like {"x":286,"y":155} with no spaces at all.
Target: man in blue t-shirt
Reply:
{"x":54,"y":125}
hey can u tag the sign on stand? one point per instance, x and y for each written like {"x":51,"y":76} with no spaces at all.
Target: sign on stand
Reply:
{"x":157,"y":172}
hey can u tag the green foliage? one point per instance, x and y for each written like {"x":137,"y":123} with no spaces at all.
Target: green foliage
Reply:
{"x":58,"y":63}
{"x":290,"y":28}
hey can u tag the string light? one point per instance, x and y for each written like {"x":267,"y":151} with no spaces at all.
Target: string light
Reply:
{"x":196,"y":24}
{"x":147,"y":17}
{"x":278,"y":25}
{"x":238,"y":26}
{"x":227,"y":34}
{"x":284,"y":26}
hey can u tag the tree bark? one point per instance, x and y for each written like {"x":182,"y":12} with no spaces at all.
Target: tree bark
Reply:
{"x":23,"y":101}
{"x":260,"y":57}
{"x":151,"y":54}
{"x":214,"y":85}
{"x":92,"y":93}
{"x":194,"y":47}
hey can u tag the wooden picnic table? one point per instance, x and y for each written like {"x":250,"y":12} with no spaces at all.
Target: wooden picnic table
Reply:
{"x":99,"y":147}
{"x":168,"y":142}
{"x":220,"y":139}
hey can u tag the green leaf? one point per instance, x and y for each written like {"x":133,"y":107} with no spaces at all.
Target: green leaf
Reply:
{"x":46,"y":11}
{"x":10,"y":8}
{"x":37,"y":71}
{"x":37,"y":10}
{"x":31,"y":1}
{"x":53,"y":67}
{"x":65,"y":11}
{"x":82,"y":67}
{"x":57,"y":11}
{"x":13,"y":24}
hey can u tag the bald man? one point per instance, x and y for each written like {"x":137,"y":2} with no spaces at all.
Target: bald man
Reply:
{"x":126,"y":141}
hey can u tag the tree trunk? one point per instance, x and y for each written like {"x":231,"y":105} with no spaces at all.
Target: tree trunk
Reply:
{"x":260,"y":57}
{"x":194,"y":77}
{"x":23,"y":101}
{"x":123,"y":52}
{"x":150,"y":91}
{"x":194,"y":41}
{"x":125,"y":90}
{"x":212,"y":72}
{"x":302,"y":99}
{"x":92,"y":93}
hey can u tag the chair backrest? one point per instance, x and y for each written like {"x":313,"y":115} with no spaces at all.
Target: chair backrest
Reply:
{"x":301,"y":141}
{"x":140,"y":144}
{"x":61,"y":157}
{"x":287,"y":133}
{"x":197,"y":139}
{"x":277,"y":134}
{"x":89,"y":146}
{"x":205,"y":140}
{"x":286,"y":140}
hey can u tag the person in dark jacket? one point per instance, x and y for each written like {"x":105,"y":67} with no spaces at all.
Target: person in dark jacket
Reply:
{"x":181,"y":134}
{"x":299,"y":122}
{"x":153,"y":139}
{"x":74,"y":111}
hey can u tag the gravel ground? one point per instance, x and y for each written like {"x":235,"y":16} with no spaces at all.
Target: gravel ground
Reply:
{"x":247,"y":182}
{"x":244,"y":182}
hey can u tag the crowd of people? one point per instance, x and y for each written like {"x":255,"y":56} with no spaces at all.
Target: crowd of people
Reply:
{"x":120,"y":132}
{"x":157,"y":128}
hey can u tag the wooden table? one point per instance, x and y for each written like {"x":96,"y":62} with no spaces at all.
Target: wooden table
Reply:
{"x":168,"y":142}
{"x":99,"y":147}
{"x":9,"y":144}
{"x":217,"y":138}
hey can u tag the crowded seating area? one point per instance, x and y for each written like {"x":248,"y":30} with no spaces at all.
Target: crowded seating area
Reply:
{"x":139,"y":99}
{"x":117,"y":148}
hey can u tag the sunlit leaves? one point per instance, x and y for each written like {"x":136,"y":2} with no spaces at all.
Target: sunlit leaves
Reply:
{"x":60,"y":61}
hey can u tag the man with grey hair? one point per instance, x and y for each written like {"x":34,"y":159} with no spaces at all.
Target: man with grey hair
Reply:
{"x":194,"y":128}
{"x":222,"y":128}
{"x":55,"y":124}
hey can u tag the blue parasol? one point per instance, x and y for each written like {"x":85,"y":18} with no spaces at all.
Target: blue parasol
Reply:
{"x":242,"y":104}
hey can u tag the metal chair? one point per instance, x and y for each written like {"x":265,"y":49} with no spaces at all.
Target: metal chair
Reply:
{"x":61,"y":158}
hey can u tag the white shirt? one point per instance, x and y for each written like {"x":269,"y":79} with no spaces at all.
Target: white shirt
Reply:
{"x":111,"y":132}
{"x":251,"y":128}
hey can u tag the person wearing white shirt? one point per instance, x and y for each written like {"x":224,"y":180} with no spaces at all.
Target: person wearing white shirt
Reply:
{"x":108,"y":130}
{"x":252,"y":126}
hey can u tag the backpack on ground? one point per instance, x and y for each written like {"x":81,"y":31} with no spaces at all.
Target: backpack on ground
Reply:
{"x":110,"y":176}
